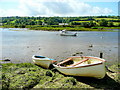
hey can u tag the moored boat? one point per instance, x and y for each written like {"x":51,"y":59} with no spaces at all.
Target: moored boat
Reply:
{"x":67,"y":33}
{"x":87,"y":66}
{"x":43,"y":61}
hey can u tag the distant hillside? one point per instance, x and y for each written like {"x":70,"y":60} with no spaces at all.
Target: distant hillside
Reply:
{"x":93,"y":22}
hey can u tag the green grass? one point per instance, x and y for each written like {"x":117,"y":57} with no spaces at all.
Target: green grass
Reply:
{"x":81,"y":21}
{"x":105,"y":18}
{"x":76,"y":28}
{"x":116,"y":23}
{"x":28,"y":76}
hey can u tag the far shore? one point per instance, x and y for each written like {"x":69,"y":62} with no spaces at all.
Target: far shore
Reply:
{"x":58,"y":28}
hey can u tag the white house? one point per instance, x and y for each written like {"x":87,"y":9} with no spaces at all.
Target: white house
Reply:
{"x":63,"y":23}
{"x":43,"y":23}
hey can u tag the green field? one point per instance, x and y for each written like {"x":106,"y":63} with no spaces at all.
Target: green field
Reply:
{"x":105,"y":18}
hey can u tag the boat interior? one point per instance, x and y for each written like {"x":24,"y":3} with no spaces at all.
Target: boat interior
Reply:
{"x":81,"y":61}
{"x":39,"y":57}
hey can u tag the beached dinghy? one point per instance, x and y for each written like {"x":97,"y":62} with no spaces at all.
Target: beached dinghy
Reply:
{"x":67,"y":33}
{"x":43,"y":61}
{"x":86,"y":66}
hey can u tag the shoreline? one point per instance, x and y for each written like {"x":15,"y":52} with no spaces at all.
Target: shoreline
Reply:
{"x":109,"y":56}
{"x":99,"y":29}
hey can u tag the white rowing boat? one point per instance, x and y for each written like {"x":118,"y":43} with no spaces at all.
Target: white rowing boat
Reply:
{"x":67,"y":33}
{"x":86,"y":66}
{"x":43,"y":61}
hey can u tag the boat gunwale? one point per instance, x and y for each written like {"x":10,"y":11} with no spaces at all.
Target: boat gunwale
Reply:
{"x":78,"y":66}
{"x":103,"y":60}
{"x":44,"y":60}
{"x":39,"y":59}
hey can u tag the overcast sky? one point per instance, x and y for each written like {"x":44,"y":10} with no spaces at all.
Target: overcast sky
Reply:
{"x":58,"y":7}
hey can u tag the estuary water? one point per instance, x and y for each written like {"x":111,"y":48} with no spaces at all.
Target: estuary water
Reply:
{"x":19,"y":45}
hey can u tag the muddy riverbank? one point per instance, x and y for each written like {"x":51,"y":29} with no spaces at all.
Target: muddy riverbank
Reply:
{"x":30,"y":76}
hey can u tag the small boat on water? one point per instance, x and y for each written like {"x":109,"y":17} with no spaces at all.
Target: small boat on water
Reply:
{"x":67,"y":33}
{"x":43,"y":61}
{"x":87,"y":66}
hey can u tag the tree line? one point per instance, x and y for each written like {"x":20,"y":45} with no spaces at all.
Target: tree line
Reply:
{"x":86,"y":21}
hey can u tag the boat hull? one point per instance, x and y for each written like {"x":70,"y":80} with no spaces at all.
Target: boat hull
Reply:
{"x":65,"y":34}
{"x":93,"y":70}
{"x":44,"y":62}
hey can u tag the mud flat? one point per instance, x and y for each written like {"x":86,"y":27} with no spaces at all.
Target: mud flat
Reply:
{"x":19,"y":46}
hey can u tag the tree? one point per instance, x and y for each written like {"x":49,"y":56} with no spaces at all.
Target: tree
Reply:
{"x":88,"y":24}
{"x":32,"y":23}
{"x":75,"y":23}
{"x":85,"y":24}
{"x":103,"y":22}
{"x":52,"y":21}
{"x":39,"y":22}
{"x":91,"y":24}
{"x":110,"y":24}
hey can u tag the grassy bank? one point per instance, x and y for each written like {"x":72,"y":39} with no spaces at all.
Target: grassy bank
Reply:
{"x":28,"y":76}
{"x":61,"y":27}
{"x":70,"y":28}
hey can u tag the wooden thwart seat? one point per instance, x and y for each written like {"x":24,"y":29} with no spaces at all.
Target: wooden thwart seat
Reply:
{"x":65,"y":61}
{"x":79,"y":62}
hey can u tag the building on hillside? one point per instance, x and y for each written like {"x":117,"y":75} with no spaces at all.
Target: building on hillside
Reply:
{"x":43,"y":23}
{"x":1,"y":24}
{"x":63,"y":24}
